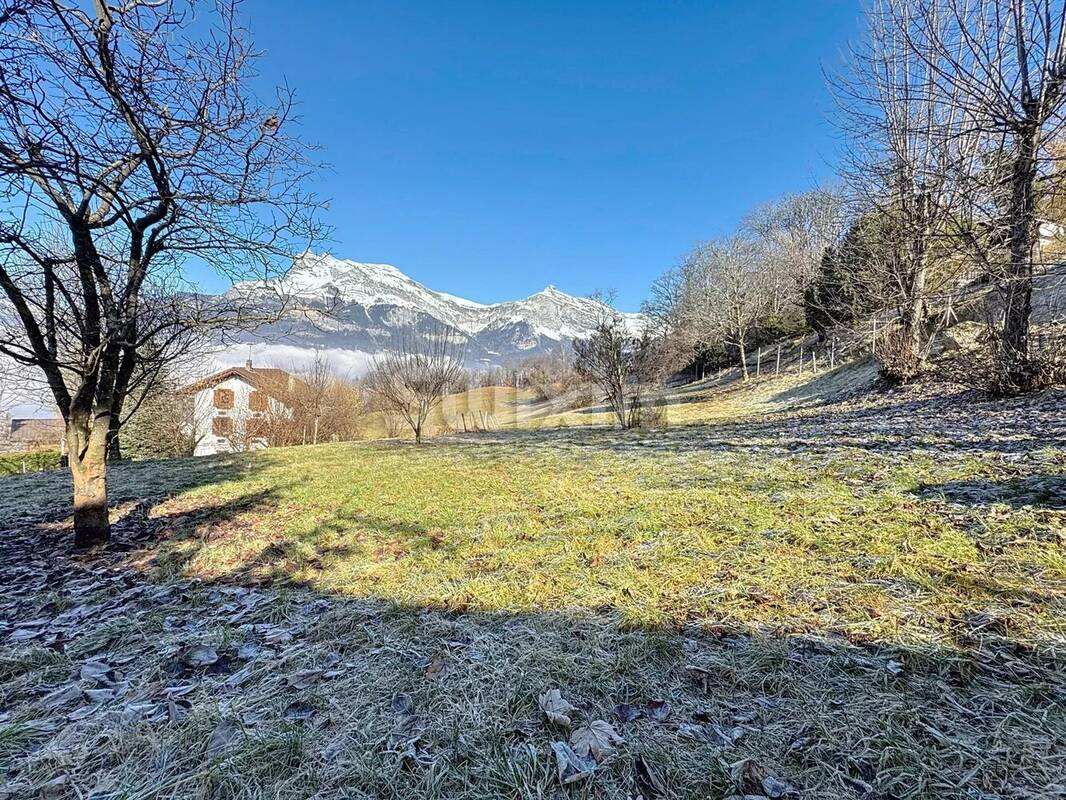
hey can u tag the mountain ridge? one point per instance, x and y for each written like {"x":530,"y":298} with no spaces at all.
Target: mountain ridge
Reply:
{"x":340,"y":304}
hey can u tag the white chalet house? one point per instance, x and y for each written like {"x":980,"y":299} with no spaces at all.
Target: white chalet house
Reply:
{"x":237,"y":408}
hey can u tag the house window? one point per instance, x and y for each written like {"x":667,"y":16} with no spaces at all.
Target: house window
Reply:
{"x":223,"y":398}
{"x":222,"y":426}
{"x":257,"y":401}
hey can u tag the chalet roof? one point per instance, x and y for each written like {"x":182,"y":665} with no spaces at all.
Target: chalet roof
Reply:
{"x":266,"y":379}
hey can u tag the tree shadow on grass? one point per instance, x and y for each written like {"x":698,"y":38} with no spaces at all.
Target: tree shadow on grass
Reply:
{"x":954,"y":423}
{"x":134,"y":488}
{"x":979,"y":714}
{"x":695,"y":704}
{"x":1040,"y":491}
{"x":344,"y":537}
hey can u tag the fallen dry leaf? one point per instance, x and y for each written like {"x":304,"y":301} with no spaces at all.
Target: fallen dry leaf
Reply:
{"x":99,"y":671}
{"x":596,"y":739}
{"x":571,"y":766}
{"x":436,"y":666}
{"x":658,"y":710}
{"x":402,"y":703}
{"x":198,"y":655}
{"x":710,"y":733}
{"x":759,"y":778}
{"x":298,"y":711}
{"x":555,"y":708}
{"x":304,"y":679}
{"x":626,"y":712}
{"x":220,"y":738}
{"x":647,"y":782}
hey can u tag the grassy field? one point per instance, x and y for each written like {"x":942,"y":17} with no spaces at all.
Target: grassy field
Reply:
{"x":834,"y":602}
{"x":484,"y":408}
{"x":862,"y":547}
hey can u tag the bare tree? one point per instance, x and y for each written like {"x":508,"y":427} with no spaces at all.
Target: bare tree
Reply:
{"x":617,"y":361}
{"x":413,"y":378}
{"x":668,"y":323}
{"x":794,"y":232}
{"x":1004,"y":63}
{"x":129,"y":142}
{"x":715,"y":299}
{"x":725,"y":293}
{"x":907,"y":143}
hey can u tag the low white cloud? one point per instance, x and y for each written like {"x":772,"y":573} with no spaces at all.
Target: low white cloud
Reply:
{"x":349,"y":363}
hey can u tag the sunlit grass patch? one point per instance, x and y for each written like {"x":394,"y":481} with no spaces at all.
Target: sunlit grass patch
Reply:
{"x":828,"y":543}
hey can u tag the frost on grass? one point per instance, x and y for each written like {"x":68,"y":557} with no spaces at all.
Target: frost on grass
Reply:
{"x":581,"y":613}
{"x":115,"y":686}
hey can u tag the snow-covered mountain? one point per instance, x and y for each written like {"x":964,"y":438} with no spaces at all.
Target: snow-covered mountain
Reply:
{"x":342,"y":306}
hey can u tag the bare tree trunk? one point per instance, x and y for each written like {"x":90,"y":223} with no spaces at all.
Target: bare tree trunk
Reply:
{"x":1017,"y":287}
{"x":912,"y":320}
{"x":913,"y":324}
{"x":743,"y":357}
{"x":87,"y":445}
{"x":114,"y":445}
{"x":123,"y":376}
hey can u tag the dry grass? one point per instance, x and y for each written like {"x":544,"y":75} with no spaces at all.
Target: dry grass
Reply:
{"x":484,"y":408}
{"x":832,"y":721}
{"x":873,"y":603}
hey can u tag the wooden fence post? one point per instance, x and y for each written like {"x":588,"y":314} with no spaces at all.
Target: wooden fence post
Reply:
{"x":758,"y":362}
{"x":777,"y":368}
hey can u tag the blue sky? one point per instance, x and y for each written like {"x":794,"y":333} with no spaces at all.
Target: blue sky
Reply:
{"x":490,"y":148}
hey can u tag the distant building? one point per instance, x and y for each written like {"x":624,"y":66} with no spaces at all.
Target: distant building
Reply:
{"x":25,"y":435}
{"x":237,"y":408}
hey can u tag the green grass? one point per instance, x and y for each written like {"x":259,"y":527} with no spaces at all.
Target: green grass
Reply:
{"x":903,"y":576}
{"x":830,"y":543}
{"x":35,"y":461}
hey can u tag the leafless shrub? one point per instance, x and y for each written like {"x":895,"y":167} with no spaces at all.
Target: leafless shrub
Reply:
{"x":652,"y":413}
{"x":618,"y":363}
{"x":550,"y":375}
{"x":898,"y":359}
{"x":989,"y":370}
